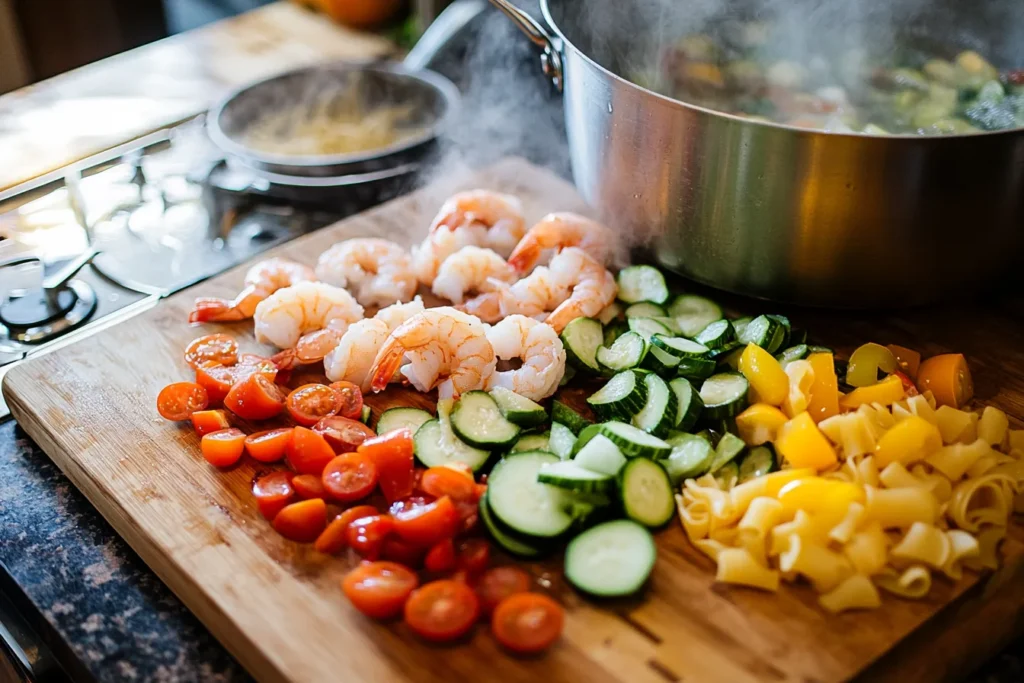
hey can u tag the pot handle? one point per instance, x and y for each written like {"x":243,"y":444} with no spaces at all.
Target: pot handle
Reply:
{"x":445,"y":27}
{"x":551,"y":56}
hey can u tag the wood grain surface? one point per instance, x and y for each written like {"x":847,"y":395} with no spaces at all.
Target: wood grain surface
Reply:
{"x":277,"y":606}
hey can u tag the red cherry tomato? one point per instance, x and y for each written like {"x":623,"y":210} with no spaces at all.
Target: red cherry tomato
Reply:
{"x":255,"y":398}
{"x":498,"y":583}
{"x":219,"y":348}
{"x":308,"y":452}
{"x":366,"y":534}
{"x":206,"y":421}
{"x":250,"y":364}
{"x":407,"y":504}
{"x":392,"y":454}
{"x":312,"y":402}
{"x":527,"y":622}
{"x":442,"y":610}
{"x":223,"y":448}
{"x":217,"y":379}
{"x":397,"y":550}
{"x":457,"y":485}
{"x":309,"y":486}
{"x":268,"y":446}
{"x":302,"y":522}
{"x":351,"y":399}
{"x":379,"y":589}
{"x":441,"y":557}
{"x":428,"y":524}
{"x":273,"y":491}
{"x":179,"y":400}
{"x":344,"y":435}
{"x":349,"y":477}
{"x":334,"y":537}
{"x":474,"y":555}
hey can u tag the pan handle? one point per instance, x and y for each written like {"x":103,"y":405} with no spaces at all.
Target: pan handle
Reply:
{"x":445,"y":27}
{"x":551,"y":56}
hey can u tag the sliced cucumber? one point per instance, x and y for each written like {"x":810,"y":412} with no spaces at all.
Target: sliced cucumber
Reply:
{"x":517,"y":409}
{"x":716,"y":335}
{"x":396,"y":418}
{"x":623,"y":395}
{"x":645,"y":310}
{"x":560,"y":412}
{"x":691,"y":457}
{"x":569,"y":474}
{"x":533,"y":442}
{"x":625,"y":353}
{"x":634,"y":442}
{"x":646,"y":493}
{"x":740,"y":324}
{"x":724,"y":395}
{"x":642,"y":283}
{"x":611,"y":559}
{"x":670,"y":324}
{"x":647,"y":327}
{"x":757,"y":463}
{"x":688,"y":403}
{"x":435,"y":446}
{"x":511,"y":543}
{"x":694,"y":313}
{"x":582,"y":338}
{"x":697,"y":369}
{"x":724,"y":350}
{"x":680,"y":347}
{"x":728,"y":475}
{"x":585,"y":435}
{"x":661,"y":409}
{"x":811,"y":349}
{"x":763,"y":331}
{"x":610,"y":312}
{"x":798,"y":352}
{"x":600,"y":455}
{"x":478,"y":421}
{"x":660,"y":361}
{"x":729,"y":446}
{"x":613,"y":331}
{"x":524,"y":504}
{"x":781,"y":338}
{"x":561,"y":440}
{"x":366,"y":413}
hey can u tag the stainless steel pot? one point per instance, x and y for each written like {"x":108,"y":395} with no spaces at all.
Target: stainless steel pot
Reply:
{"x":779,"y":212}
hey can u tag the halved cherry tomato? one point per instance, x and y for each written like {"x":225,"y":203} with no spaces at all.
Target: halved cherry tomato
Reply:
{"x":459,"y":486}
{"x":909,"y":388}
{"x":308,"y":452}
{"x":350,"y":476}
{"x":351,"y":399}
{"x":498,"y":583}
{"x":309,"y":486}
{"x":179,"y":400}
{"x":312,"y":402}
{"x":217,"y":379}
{"x":366,"y":534}
{"x":428,"y":524}
{"x":223,"y":448}
{"x":335,"y":536}
{"x":442,"y":610}
{"x":268,"y":446}
{"x":255,"y":398}
{"x":213,"y":347}
{"x":948,"y":378}
{"x":302,"y":522}
{"x":527,"y":622}
{"x":344,"y":435}
{"x":379,"y":589}
{"x":407,"y":504}
{"x":474,"y":555}
{"x":397,"y":550}
{"x":441,"y":557}
{"x":273,"y":492}
{"x":249,"y":364}
{"x":392,"y":453}
{"x":206,"y":421}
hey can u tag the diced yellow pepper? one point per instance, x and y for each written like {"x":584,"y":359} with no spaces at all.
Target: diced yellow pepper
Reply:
{"x":993,"y":426}
{"x":824,"y":401}
{"x":829,"y":498}
{"x":765,"y":374}
{"x":802,"y":444}
{"x":912,"y":439}
{"x":759,"y":424}
{"x":886,"y":392}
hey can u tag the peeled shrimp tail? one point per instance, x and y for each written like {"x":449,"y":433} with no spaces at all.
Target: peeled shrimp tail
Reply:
{"x":210,"y":309}
{"x":387,"y":363}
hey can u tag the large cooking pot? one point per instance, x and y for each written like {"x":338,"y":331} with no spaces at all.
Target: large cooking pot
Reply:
{"x":781,"y":212}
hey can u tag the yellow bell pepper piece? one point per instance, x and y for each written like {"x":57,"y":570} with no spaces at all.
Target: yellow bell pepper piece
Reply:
{"x":886,"y":392}
{"x":829,"y":498}
{"x":765,"y":374}
{"x":802,"y":444}
{"x":759,"y":424}
{"x":912,"y":439}
{"x":865,"y":363}
{"x":824,"y":401}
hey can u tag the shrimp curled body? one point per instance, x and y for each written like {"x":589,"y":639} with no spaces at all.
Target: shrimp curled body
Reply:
{"x":378,"y":272}
{"x":557,"y":231}
{"x":262,"y":280}
{"x":352,"y":358}
{"x":294,"y":313}
{"x":541,"y":351}
{"x":470,"y":270}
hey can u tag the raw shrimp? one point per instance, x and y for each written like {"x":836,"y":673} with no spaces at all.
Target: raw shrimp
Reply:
{"x":500,"y":214}
{"x":262,"y":280}
{"x":591,"y":287}
{"x":560,"y":230}
{"x":534,"y":296}
{"x":538,"y":346}
{"x":351,"y":359}
{"x":296,"y":314}
{"x":471,"y":269}
{"x":377,"y":271}
{"x":447,"y":349}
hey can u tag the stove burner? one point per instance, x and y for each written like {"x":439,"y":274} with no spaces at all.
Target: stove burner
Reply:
{"x":40,"y":314}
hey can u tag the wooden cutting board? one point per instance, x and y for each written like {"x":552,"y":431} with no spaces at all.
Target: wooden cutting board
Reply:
{"x":277,"y":606}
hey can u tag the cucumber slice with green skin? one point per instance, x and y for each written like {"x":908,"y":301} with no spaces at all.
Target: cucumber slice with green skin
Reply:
{"x":798,"y":352}
{"x":582,"y":338}
{"x":646,"y":310}
{"x":634,"y":442}
{"x":366,"y":413}
{"x":694,"y":313}
{"x":585,"y":435}
{"x":811,"y":349}
{"x":762,"y":331}
{"x":729,"y":446}
{"x":560,"y":412}
{"x":436,"y":446}
{"x":724,"y":350}
{"x":740,"y":324}
{"x":568,"y":474}
{"x":728,"y":475}
{"x":626,"y":353}
{"x":478,"y":421}
{"x":660,"y":361}
{"x":758,"y":462}
{"x":614,"y":330}
{"x":611,"y":559}
{"x":680,"y":347}
{"x":670,"y":324}
{"x":600,"y":455}
{"x":688,"y":403}
{"x":797,"y":336}
{"x":646,"y":493}
{"x":696,"y":369}
{"x":716,"y":335}
{"x":524,"y":504}
{"x":691,"y":457}
{"x":622,"y":396}
{"x":642,"y":283}
{"x":724,"y":395}
{"x":397,"y":418}
{"x":533,"y":442}
{"x":610,"y":312}
{"x":660,"y":411}
{"x":561,"y":441}
{"x":647,"y":327}
{"x":517,"y":409}
{"x":506,"y":540}
{"x":781,"y":339}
